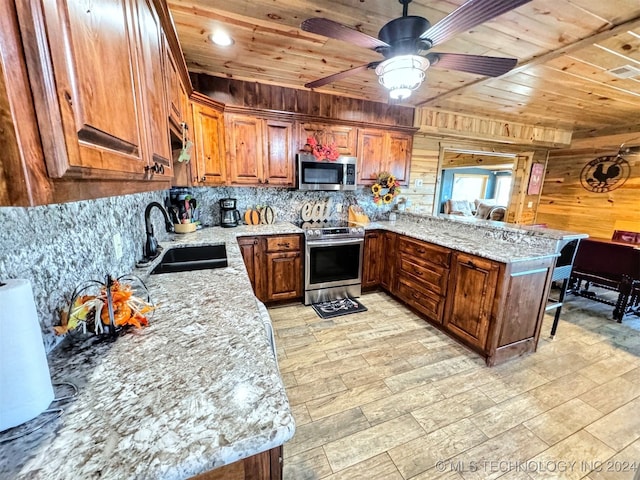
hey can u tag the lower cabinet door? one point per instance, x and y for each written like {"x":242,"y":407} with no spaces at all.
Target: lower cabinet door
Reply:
{"x":472,"y":288}
{"x":251,"y":250}
{"x":283,"y":276}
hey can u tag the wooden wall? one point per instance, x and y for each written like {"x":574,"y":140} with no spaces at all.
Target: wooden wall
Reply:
{"x":566,"y":205}
{"x":303,"y":102}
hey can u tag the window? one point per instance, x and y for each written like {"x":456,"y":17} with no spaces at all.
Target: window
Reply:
{"x":468,"y":186}
{"x":503,"y":189}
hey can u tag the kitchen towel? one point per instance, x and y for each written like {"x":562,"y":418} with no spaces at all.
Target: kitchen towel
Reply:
{"x":25,"y":382}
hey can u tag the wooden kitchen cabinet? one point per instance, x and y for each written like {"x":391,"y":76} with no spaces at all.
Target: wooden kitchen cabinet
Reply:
{"x":252,"y":255}
{"x":342,"y":136}
{"x":383,"y":151}
{"x":494,"y":308}
{"x":208,"y":138}
{"x":244,"y":134}
{"x":472,"y":291}
{"x":423,"y":274}
{"x":93,"y":114}
{"x":274,"y":266}
{"x":260,"y":150}
{"x":154,"y":88}
{"x":388,"y":276}
{"x":279,"y":155}
{"x":373,"y":259}
{"x":283,"y":272}
{"x":262,"y":466}
{"x":103,"y":128}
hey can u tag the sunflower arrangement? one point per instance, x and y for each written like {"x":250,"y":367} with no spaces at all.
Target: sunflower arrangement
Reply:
{"x":385,"y":189}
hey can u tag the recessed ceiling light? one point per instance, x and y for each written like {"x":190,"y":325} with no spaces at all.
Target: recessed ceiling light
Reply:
{"x":221,"y":39}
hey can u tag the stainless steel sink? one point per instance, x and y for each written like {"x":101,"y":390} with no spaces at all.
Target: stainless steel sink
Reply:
{"x":199,"y":257}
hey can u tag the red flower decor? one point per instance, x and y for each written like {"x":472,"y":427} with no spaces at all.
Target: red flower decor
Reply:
{"x":322,"y":152}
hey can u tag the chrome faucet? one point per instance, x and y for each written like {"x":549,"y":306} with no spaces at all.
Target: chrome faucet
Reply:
{"x":151,"y":245}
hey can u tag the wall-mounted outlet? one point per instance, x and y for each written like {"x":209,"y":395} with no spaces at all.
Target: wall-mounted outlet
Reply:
{"x":418,"y":182}
{"x":338,"y":207}
{"x":530,"y":205}
{"x":117,"y":245}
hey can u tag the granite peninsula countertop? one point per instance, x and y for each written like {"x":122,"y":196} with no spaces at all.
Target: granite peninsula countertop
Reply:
{"x":196,"y":389}
{"x":484,"y":242}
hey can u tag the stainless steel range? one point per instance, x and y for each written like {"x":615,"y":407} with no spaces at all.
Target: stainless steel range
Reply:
{"x":333,"y":262}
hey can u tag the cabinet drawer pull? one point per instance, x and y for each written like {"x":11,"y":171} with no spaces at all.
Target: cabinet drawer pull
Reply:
{"x":471,"y":264}
{"x":255,"y":242}
{"x":286,"y":245}
{"x":421,"y":251}
{"x":417,"y":272}
{"x":203,"y":179}
{"x":416,"y":296}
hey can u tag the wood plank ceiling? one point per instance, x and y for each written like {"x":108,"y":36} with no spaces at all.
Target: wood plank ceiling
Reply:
{"x":564,"y":50}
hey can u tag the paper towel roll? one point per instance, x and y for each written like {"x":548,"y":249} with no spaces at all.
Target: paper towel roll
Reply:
{"x":25,"y":382}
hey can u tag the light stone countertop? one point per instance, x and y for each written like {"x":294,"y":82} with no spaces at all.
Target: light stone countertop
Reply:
{"x":196,"y":389}
{"x":508,"y":249}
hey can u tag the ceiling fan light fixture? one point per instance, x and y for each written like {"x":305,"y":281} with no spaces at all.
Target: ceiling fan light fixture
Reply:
{"x":402,"y":74}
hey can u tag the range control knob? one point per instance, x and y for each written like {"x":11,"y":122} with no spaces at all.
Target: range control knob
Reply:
{"x":316,"y":233}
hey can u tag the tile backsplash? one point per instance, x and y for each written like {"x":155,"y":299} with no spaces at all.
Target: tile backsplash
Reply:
{"x":57,"y":247}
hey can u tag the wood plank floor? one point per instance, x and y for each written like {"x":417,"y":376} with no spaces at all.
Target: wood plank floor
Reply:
{"x":383,"y":395}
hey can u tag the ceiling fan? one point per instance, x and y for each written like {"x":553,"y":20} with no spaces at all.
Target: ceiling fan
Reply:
{"x":402,"y":42}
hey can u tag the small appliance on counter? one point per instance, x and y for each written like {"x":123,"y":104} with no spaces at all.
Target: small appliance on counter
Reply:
{"x":229,"y":216}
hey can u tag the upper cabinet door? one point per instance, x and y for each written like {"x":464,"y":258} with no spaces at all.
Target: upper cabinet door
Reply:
{"x":383,"y":151}
{"x":278,"y":159}
{"x":154,"y":89}
{"x":208,"y":133}
{"x":371,"y":151}
{"x":244,"y":135}
{"x":89,"y":85}
{"x":342,"y":136}
{"x":398,"y":159}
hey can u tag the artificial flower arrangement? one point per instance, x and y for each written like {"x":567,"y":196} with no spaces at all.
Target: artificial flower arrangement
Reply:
{"x":322,"y":152}
{"x":385,"y":189}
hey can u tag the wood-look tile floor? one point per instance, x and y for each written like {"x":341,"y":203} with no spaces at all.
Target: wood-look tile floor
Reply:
{"x":383,"y":395}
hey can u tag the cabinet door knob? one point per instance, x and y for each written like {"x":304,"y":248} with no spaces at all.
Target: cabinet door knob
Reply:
{"x":266,"y":180}
{"x":470,"y":264}
{"x":203,"y":178}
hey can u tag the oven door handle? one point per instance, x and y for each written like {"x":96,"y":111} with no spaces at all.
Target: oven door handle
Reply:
{"x":335,"y":243}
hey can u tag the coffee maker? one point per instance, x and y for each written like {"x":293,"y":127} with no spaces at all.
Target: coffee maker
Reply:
{"x":229,"y":216}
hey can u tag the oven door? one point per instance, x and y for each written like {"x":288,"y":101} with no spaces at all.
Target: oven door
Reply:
{"x":332,"y":265}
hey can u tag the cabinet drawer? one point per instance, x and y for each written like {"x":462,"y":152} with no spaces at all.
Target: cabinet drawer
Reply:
{"x":429,"y":304}
{"x":425,"y":251}
{"x":434,"y":277}
{"x":283,"y":243}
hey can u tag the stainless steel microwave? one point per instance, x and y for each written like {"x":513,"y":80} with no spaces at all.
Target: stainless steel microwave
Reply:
{"x":326,"y":175}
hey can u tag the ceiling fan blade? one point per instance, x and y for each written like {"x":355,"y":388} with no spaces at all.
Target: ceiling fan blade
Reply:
{"x":467,"y":16}
{"x":340,"y":75}
{"x":338,"y":31}
{"x":489,"y":66}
